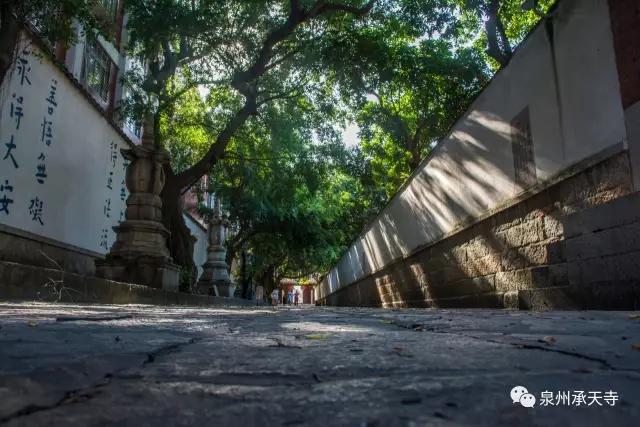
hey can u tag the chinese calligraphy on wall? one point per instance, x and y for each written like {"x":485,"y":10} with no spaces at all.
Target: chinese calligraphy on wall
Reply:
{"x":61,"y":168}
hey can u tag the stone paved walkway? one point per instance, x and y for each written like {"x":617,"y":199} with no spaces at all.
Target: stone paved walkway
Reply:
{"x":141,"y":365}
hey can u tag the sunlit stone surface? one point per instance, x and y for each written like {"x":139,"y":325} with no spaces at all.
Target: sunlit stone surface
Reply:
{"x":143,"y":365}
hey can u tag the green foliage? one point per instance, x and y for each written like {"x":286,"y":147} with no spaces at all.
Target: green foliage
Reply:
{"x":292,"y":195}
{"x":267,"y":132}
{"x":517,"y":22}
{"x":55,"y":20}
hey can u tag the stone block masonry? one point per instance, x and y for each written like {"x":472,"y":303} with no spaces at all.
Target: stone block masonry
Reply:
{"x":574,"y":244}
{"x":20,"y":282}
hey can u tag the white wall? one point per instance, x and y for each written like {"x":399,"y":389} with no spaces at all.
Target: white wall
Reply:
{"x":573,"y":97}
{"x":82,"y":195}
{"x":82,"y":161}
{"x":200,"y":248}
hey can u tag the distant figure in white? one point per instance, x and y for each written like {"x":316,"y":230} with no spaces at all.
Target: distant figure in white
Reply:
{"x":275,"y":296}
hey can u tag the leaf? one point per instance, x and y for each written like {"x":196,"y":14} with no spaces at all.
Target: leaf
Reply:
{"x":636,"y":346}
{"x":316,"y":337}
{"x":548,"y":340}
{"x":32,"y":323}
{"x":634,"y":316}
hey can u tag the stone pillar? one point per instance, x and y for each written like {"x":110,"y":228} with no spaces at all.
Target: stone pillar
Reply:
{"x":140,"y":254}
{"x":215,"y":278}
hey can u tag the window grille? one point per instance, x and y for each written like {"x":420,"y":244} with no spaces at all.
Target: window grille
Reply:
{"x":522,"y":145}
{"x":96,"y":71}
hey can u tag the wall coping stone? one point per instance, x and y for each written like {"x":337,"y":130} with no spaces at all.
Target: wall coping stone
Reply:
{"x":47,"y":240}
{"x":26,"y":282}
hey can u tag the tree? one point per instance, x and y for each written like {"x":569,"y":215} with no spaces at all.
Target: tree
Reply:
{"x":412,"y":105}
{"x":285,"y":191}
{"x":405,"y":89}
{"x":410,"y":77}
{"x":505,"y":23}
{"x":250,"y":53}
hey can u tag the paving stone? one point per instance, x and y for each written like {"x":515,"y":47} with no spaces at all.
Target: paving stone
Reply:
{"x":229,"y":366}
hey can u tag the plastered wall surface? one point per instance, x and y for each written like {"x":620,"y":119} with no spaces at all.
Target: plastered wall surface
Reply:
{"x":61,"y":170}
{"x":200,"y":247}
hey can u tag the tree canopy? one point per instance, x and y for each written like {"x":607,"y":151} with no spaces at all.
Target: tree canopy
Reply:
{"x":253,"y":95}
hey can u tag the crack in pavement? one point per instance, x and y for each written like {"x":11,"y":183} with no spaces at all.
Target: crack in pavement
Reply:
{"x":70,"y":397}
{"x":87,"y":393}
{"x":92,"y":318}
{"x":280,"y":343}
{"x":421,"y":327}
{"x":604,"y":363}
{"x":168,"y":349}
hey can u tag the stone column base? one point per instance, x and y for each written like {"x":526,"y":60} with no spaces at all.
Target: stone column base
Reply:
{"x":225,"y":289}
{"x":206,"y":288}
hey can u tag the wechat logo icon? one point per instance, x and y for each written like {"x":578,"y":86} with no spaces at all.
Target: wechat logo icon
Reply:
{"x":522,"y":396}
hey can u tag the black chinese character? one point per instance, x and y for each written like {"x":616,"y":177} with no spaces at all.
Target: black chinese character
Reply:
{"x":24,"y":68}
{"x":114,"y":153}
{"x":35,"y":210}
{"x":16,"y":109}
{"x":41,"y":169}
{"x":107,"y":208}
{"x":51,"y":99}
{"x":5,"y":201}
{"x":10,"y":146}
{"x":46,"y":131}
{"x":103,"y":239}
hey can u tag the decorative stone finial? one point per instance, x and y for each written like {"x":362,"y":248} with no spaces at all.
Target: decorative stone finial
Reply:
{"x":215,"y":278}
{"x":140,"y":254}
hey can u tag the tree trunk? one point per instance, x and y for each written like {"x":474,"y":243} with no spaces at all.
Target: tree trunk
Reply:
{"x":9,"y":33}
{"x":267,"y":279}
{"x":231,"y":254}
{"x":181,"y":242}
{"x":415,"y":159}
{"x":496,"y":34}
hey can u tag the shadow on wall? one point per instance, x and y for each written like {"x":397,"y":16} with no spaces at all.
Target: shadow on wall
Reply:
{"x":456,"y":184}
{"x":520,"y":257}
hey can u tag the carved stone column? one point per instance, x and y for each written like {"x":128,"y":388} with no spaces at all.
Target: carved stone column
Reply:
{"x":215,"y":278}
{"x":140,"y":254}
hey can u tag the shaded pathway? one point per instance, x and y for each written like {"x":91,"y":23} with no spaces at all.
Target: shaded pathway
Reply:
{"x":143,"y":365}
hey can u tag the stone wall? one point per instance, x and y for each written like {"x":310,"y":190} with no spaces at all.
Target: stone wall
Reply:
{"x":573,"y":244}
{"x":25,"y":282}
{"x":26,"y":248}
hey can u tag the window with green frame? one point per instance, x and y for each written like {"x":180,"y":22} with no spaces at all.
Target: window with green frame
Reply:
{"x":96,"y":71}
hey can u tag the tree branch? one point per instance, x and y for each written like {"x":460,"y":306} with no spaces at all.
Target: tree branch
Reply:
{"x":244,"y":81}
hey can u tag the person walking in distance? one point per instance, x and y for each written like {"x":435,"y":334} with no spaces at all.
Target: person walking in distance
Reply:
{"x":275,"y":296}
